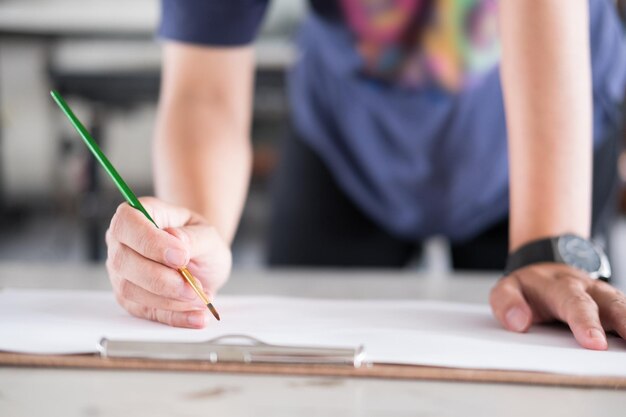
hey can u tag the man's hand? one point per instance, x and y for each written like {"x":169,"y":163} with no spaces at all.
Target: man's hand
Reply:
{"x":547,"y":292}
{"x":142,"y":262}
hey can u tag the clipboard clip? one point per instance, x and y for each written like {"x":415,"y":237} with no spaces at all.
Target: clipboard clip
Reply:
{"x":232,"y":348}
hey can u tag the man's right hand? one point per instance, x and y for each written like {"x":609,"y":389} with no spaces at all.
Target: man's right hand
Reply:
{"x":143,"y":262}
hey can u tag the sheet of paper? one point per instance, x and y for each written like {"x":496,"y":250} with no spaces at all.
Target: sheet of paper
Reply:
{"x":401,"y":332}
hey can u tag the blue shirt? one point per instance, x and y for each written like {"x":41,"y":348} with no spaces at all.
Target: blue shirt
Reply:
{"x":418,"y":162}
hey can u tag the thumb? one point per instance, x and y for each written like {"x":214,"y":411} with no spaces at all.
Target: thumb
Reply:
{"x":198,"y":239}
{"x":510,"y":306}
{"x":212,"y":258}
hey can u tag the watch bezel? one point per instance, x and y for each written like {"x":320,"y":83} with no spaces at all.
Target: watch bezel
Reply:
{"x":604,"y":270}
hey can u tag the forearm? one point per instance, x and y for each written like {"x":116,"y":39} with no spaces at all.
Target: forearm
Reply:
{"x":547,"y":90}
{"x":202,"y":151}
{"x":202,"y":164}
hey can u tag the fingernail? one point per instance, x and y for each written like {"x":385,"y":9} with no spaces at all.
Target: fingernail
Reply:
{"x":516,"y":319}
{"x":175,"y":257}
{"x":195,"y":319}
{"x":597,"y":334}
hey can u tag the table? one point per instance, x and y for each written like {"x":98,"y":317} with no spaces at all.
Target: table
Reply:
{"x":65,"y":392}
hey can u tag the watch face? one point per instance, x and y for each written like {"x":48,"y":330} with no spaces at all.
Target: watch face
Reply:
{"x":579,"y":253}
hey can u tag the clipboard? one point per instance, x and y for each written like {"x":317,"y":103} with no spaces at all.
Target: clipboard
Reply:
{"x":252,"y":356}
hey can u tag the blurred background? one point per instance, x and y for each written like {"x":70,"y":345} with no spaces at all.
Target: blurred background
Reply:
{"x":55,"y":203}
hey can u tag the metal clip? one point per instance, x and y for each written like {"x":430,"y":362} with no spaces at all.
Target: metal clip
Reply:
{"x":222,"y":349}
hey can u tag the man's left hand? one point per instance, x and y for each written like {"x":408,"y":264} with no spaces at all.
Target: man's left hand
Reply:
{"x":547,"y":292}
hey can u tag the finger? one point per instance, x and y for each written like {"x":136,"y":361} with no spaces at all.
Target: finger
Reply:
{"x":189,"y":319}
{"x":199,"y":239}
{"x":612,"y":305}
{"x":132,"y":292}
{"x":158,"y":279}
{"x":166,"y":215}
{"x":206,"y":283}
{"x":580,"y":312}
{"x":211,"y":259}
{"x":510,"y":306}
{"x":130,"y":227}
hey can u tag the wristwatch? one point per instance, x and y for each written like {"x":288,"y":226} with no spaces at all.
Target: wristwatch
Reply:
{"x":568,"y":249}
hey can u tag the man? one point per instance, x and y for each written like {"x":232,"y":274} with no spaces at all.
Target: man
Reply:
{"x":397,"y":136}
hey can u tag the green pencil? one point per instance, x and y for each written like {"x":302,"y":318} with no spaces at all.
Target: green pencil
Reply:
{"x":128,"y":194}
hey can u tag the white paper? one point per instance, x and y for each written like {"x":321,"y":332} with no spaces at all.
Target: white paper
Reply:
{"x":401,"y":332}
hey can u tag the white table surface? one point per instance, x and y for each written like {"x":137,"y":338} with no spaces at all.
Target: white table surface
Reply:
{"x":54,"y":392}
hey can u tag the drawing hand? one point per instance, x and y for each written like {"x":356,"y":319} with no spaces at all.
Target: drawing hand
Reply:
{"x":142,"y":262}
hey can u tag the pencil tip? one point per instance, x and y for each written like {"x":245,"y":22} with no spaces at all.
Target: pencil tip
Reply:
{"x":213,"y":311}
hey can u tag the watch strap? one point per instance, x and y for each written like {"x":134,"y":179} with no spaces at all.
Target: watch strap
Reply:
{"x":534,"y":252}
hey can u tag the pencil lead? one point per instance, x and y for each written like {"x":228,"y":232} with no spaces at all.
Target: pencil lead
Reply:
{"x":213,"y":311}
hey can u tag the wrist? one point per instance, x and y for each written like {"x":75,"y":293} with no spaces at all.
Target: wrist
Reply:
{"x":523,"y":233}
{"x":567,"y":249}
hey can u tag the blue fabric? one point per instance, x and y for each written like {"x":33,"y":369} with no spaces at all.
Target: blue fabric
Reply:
{"x":211,"y":22}
{"x":418,"y":162}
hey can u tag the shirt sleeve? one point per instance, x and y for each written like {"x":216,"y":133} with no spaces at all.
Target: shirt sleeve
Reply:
{"x":211,"y":22}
